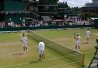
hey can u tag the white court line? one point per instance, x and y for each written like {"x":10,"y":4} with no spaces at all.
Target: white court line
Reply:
{"x":28,"y":48}
{"x":28,"y":63}
{"x":53,"y":59}
{"x":72,"y":62}
{"x":66,"y":64}
{"x":31,"y":47}
{"x":47,"y":60}
{"x":62,"y":65}
{"x":13,"y":65}
{"x":89,"y":52}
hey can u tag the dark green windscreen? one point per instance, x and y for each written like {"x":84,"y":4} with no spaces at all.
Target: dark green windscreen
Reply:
{"x":15,"y":18}
{"x":13,"y":5}
{"x":96,"y":23}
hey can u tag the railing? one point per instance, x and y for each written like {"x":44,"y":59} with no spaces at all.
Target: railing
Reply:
{"x":42,"y":27}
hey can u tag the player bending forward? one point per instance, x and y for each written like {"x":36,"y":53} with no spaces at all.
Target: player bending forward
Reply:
{"x":41,"y":49}
{"x":77,"y":38}
{"x":24,"y":42}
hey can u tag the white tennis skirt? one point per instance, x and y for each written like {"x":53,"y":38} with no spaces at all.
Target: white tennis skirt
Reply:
{"x":24,"y":44}
{"x":41,"y":51}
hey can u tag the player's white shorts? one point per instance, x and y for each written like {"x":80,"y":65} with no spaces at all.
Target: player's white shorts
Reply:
{"x":24,"y":44}
{"x":41,"y":51}
{"x":78,"y":44}
{"x":88,"y":37}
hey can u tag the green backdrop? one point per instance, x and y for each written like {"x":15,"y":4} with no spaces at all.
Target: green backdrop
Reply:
{"x":96,"y":23}
{"x":15,"y":17}
{"x":14,"y":5}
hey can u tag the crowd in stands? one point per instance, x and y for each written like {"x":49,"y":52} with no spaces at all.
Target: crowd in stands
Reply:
{"x":24,"y":24}
{"x":8,"y":24}
{"x":68,"y":21}
{"x":78,"y":21}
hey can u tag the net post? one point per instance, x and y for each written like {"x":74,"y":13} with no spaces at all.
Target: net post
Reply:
{"x":82,"y":60}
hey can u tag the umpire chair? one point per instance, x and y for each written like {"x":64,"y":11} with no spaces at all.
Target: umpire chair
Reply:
{"x":95,"y":58}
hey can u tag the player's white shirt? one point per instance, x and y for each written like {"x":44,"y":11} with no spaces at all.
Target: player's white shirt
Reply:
{"x":78,"y":40}
{"x":41,"y":46}
{"x":24,"y":40}
{"x":87,"y":33}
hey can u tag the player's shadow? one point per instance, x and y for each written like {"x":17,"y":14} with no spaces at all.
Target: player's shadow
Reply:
{"x":84,"y":43}
{"x":21,"y":53}
{"x":34,"y":61}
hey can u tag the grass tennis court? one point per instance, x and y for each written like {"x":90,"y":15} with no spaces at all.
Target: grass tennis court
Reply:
{"x":66,"y":38}
{"x":11,"y":55}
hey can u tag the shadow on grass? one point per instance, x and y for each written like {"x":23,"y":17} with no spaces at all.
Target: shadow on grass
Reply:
{"x":84,"y":43}
{"x":21,"y":53}
{"x":34,"y":61}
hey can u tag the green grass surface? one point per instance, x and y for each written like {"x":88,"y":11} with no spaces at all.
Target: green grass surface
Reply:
{"x":66,"y":38}
{"x":11,"y":54}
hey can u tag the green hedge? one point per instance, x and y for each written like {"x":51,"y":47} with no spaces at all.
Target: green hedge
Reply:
{"x":41,"y":27}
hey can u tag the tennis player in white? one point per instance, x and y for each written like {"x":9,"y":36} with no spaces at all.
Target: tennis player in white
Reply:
{"x":77,"y":38}
{"x":24,"y":42}
{"x":88,"y":33}
{"x":41,"y":49}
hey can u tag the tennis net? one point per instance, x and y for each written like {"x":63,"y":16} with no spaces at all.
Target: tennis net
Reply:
{"x":67,"y":52}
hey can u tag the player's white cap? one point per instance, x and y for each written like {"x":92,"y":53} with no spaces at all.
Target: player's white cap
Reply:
{"x":78,"y":33}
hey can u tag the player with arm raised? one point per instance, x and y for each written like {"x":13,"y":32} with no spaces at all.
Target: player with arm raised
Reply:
{"x":77,"y":38}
